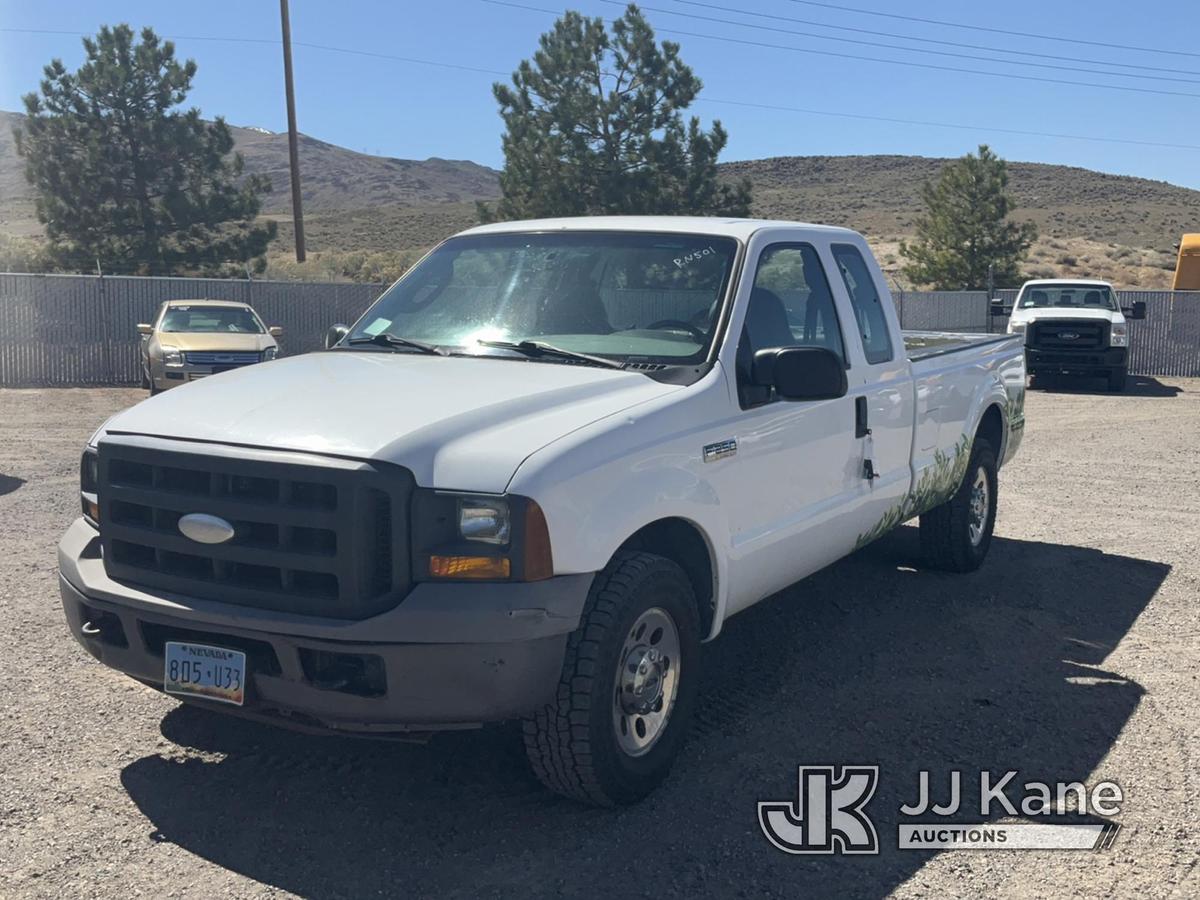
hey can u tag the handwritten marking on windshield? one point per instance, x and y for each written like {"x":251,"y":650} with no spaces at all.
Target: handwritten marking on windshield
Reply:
{"x":694,"y":256}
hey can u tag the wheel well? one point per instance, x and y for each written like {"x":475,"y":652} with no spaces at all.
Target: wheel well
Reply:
{"x":683,"y":543}
{"x":991,"y":429}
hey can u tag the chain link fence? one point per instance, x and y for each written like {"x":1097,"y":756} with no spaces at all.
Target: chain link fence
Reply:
{"x":82,"y":329}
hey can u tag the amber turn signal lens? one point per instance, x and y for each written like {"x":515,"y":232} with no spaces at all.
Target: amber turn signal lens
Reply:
{"x":538,"y":560}
{"x":469,"y":567}
{"x":92,"y":508}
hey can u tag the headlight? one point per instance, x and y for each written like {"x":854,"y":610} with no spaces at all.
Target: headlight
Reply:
{"x":461,"y":537}
{"x":89,"y":478}
{"x":1120,"y":336}
{"x":486,"y":521}
{"x":270,"y":353}
{"x":1017,"y":327}
{"x":172,"y":356}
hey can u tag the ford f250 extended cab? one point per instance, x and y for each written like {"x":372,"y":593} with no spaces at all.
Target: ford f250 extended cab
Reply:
{"x":538,"y":472}
{"x":1073,"y":327}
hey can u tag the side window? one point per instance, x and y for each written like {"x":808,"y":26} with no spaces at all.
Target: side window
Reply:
{"x":791,"y":305}
{"x":864,"y":298}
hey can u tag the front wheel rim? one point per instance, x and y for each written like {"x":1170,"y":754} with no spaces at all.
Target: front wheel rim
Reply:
{"x":647,"y":681}
{"x":979,"y":507}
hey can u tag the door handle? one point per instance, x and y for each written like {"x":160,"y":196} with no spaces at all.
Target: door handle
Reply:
{"x":860,"y":417}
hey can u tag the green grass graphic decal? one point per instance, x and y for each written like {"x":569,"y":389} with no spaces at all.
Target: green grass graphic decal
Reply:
{"x":937,"y":485}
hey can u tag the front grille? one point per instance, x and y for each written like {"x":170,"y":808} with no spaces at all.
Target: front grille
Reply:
{"x":219,"y":358}
{"x":323,"y":539}
{"x":1067,"y":334}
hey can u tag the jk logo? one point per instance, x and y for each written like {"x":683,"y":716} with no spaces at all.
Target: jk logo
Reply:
{"x":827,"y":816}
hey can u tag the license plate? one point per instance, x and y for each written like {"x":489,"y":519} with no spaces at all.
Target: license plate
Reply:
{"x":197,"y":670}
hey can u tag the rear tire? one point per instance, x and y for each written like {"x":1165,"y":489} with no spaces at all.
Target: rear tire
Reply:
{"x":1117,"y":379}
{"x":955,"y":536}
{"x":628,"y":686}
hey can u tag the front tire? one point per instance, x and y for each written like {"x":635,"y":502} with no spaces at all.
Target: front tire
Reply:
{"x":628,"y":686}
{"x":956,"y":535}
{"x":1117,"y":379}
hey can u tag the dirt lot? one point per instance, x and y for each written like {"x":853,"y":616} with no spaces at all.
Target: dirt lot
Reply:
{"x":1071,"y":655}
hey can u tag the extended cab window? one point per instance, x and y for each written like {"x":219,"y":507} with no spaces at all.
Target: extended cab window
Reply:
{"x":791,"y":305}
{"x":866,"y":302}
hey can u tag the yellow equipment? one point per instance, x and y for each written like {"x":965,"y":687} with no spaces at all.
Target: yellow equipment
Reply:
{"x":1187,"y":269}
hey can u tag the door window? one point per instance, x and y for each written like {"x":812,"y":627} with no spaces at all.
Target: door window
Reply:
{"x":869,"y":314}
{"x":791,"y":305}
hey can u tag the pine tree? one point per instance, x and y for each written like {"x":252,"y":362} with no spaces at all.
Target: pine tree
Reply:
{"x":965,"y":228}
{"x":124,"y":177}
{"x":594,"y":126}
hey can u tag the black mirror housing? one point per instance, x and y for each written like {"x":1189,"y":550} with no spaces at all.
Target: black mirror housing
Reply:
{"x":1137,"y":311}
{"x":999,"y":309}
{"x":801,"y":373}
{"x":335,"y":334}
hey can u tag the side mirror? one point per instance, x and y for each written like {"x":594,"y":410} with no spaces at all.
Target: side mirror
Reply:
{"x":275,"y":331}
{"x":144,"y":328}
{"x":999,"y":309}
{"x":801,"y":373}
{"x":1137,"y":311}
{"x":335,"y":334}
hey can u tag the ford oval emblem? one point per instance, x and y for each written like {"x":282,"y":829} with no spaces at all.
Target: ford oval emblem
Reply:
{"x":205,"y":529}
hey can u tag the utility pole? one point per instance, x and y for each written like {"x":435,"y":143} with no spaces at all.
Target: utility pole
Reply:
{"x":293,"y":146}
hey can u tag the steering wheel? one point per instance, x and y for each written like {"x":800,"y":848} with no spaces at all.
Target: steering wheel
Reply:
{"x":679,"y":325}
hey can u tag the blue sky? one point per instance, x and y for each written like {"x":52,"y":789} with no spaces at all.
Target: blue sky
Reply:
{"x":406,"y":109}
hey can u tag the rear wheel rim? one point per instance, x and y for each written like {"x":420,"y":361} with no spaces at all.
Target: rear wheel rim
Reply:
{"x":979,"y":507}
{"x":647,"y":681}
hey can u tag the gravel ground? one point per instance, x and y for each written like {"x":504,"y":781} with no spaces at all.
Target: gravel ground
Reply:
{"x":1071,"y":655}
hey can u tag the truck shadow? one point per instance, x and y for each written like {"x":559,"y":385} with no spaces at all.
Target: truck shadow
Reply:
{"x":1135,"y":386}
{"x":873,"y":661}
{"x":9,"y":483}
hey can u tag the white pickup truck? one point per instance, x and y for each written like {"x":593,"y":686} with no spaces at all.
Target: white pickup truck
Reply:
{"x":538,"y":472}
{"x":1073,"y":327}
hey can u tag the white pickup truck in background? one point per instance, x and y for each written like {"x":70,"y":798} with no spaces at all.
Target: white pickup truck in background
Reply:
{"x":1073,"y":327}
{"x":540,"y":470}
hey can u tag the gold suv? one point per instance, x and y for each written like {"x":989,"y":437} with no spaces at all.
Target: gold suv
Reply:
{"x":192,"y":339}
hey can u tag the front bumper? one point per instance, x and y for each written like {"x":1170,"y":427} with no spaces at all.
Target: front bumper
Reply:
{"x":163,"y":377}
{"x":1075,"y":362}
{"x":448,"y":656}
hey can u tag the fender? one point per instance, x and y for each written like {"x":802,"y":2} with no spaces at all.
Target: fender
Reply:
{"x":601,"y":484}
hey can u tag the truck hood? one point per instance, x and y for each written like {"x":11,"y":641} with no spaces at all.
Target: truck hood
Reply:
{"x":215,"y":340}
{"x":1066,"y":312}
{"x":463,"y":423}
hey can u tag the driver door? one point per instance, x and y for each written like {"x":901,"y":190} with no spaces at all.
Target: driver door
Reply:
{"x":797,"y":474}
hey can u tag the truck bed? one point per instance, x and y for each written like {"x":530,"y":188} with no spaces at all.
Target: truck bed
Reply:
{"x":921,"y":345}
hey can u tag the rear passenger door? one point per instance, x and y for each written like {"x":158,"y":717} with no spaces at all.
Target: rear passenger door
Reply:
{"x":881,"y":383}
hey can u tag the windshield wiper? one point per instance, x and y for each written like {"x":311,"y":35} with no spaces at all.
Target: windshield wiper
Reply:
{"x":538,"y":348}
{"x":387,"y":339}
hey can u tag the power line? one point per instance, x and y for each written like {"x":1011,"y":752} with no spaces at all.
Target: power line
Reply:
{"x":956,"y":125}
{"x":1026,"y":34}
{"x":276,"y":42}
{"x":742,"y":103}
{"x":937,"y":41}
{"x":861,"y":42}
{"x":874,"y":59}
